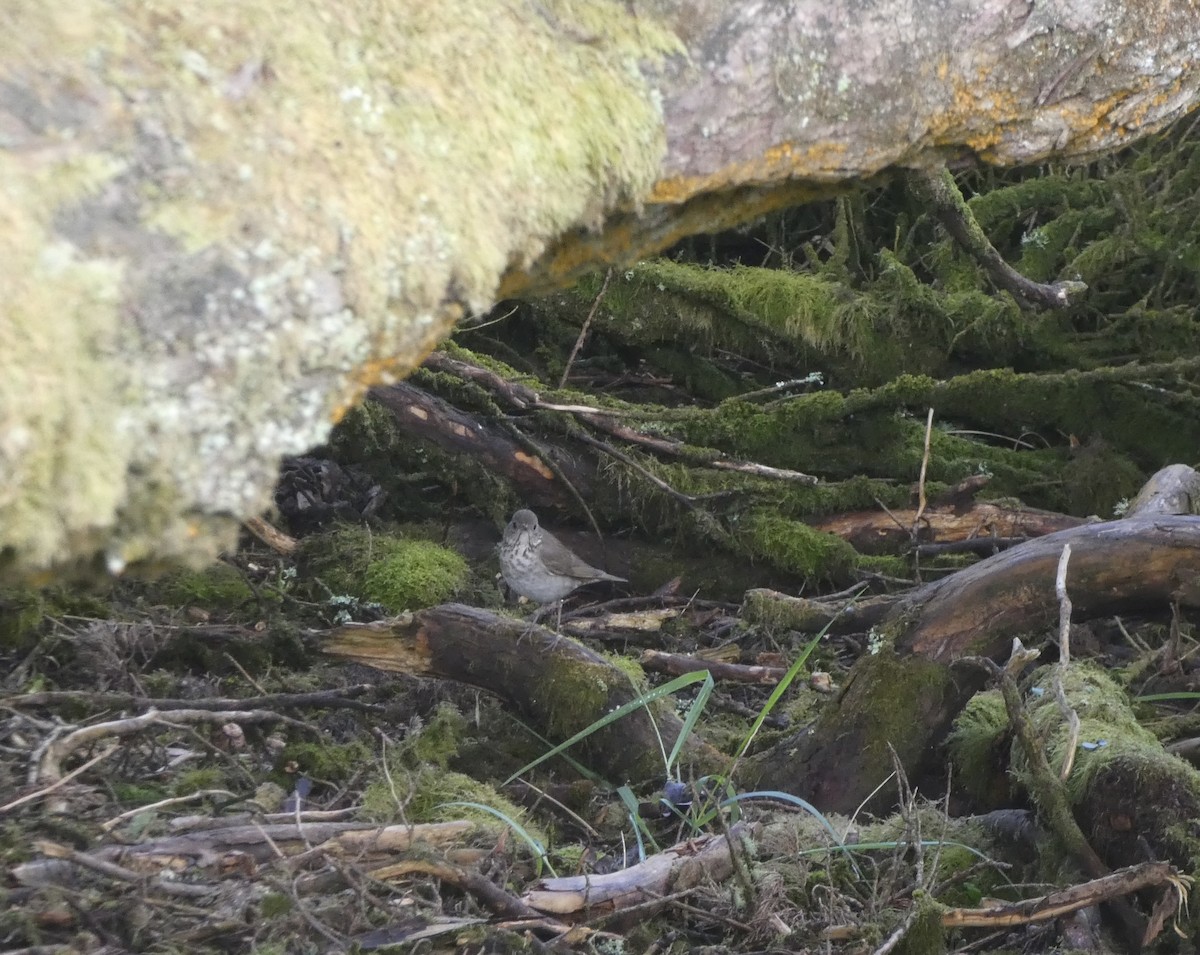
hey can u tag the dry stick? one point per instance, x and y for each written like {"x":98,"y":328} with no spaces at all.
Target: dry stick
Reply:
{"x":1047,"y":789}
{"x":533,"y":447}
{"x":626,"y":459}
{"x":775,"y":388}
{"x":587,"y":323}
{"x":916,"y":525}
{"x":270,"y":535}
{"x":340,"y":698}
{"x":242,"y":670}
{"x":1064,"y":660}
{"x":50,"y":764}
{"x":1064,"y":606}
{"x":163,"y":804}
{"x":679,"y":663}
{"x":60,"y":782}
{"x":495,"y":321}
{"x":1125,"y":881}
{"x":763,"y":470}
{"x":491,"y":895}
{"x":401,"y":805}
{"x":162,"y":883}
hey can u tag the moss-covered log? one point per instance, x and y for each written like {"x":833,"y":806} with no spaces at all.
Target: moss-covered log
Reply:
{"x":560,"y":685}
{"x":906,"y":692}
{"x":1126,"y":792}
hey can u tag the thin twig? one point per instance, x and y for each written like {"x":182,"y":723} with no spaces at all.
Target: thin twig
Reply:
{"x":337,"y":698}
{"x":544,"y":456}
{"x":45,"y":791}
{"x":915,"y":531}
{"x":587,"y":323}
{"x":163,"y":804}
{"x":1064,"y":660}
{"x":467,"y":327}
{"x":779,"y":386}
{"x":50,"y":762}
{"x":1064,"y":606}
{"x":626,"y":459}
{"x":242,"y":670}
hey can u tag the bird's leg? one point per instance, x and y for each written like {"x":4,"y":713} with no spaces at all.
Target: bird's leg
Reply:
{"x":536,"y":619}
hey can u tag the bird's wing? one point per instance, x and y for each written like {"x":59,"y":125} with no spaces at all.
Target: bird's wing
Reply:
{"x":561,"y":560}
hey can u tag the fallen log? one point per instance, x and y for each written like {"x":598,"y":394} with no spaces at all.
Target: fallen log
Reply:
{"x":559,"y":684}
{"x":878,"y":532}
{"x":534,"y":479}
{"x":907,"y":692}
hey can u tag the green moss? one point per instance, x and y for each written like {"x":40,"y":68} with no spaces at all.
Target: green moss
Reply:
{"x":427,"y":794}
{"x":400,"y":573}
{"x":22,"y":611}
{"x":216,"y":587}
{"x":1097,"y":477}
{"x":1104,"y":714}
{"x":903,"y":692}
{"x":415,"y":574}
{"x":194,"y":780}
{"x":324,"y":761}
{"x":777,"y":613}
{"x":978,"y":748}
{"x":274,"y":905}
{"x":439,"y":739}
{"x":925,"y":935}
{"x":795,"y":547}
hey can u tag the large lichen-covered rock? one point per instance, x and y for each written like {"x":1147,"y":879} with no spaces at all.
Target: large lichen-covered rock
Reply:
{"x":221,"y":222}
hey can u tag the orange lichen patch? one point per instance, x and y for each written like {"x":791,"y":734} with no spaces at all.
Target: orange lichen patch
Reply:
{"x":372,"y":372}
{"x":819,"y":161}
{"x":1152,"y":103}
{"x":625,"y":239}
{"x":536,"y":464}
{"x":569,"y":258}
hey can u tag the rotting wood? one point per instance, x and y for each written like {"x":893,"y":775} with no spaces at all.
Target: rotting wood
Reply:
{"x":558,"y":683}
{"x":425,"y":416}
{"x":679,"y":663}
{"x":679,"y":867}
{"x":877,"y":532}
{"x":219,"y":851}
{"x":907,"y":692}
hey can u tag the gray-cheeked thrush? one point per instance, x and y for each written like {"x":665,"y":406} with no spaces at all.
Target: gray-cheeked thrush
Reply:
{"x":537,"y":565}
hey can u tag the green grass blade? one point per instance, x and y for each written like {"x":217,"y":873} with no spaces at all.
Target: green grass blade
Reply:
{"x":697,"y":707}
{"x":539,"y":851}
{"x":665,"y":690}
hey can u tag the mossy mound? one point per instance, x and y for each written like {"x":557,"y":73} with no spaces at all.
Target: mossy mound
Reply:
{"x":216,"y":587}
{"x":399,"y":573}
